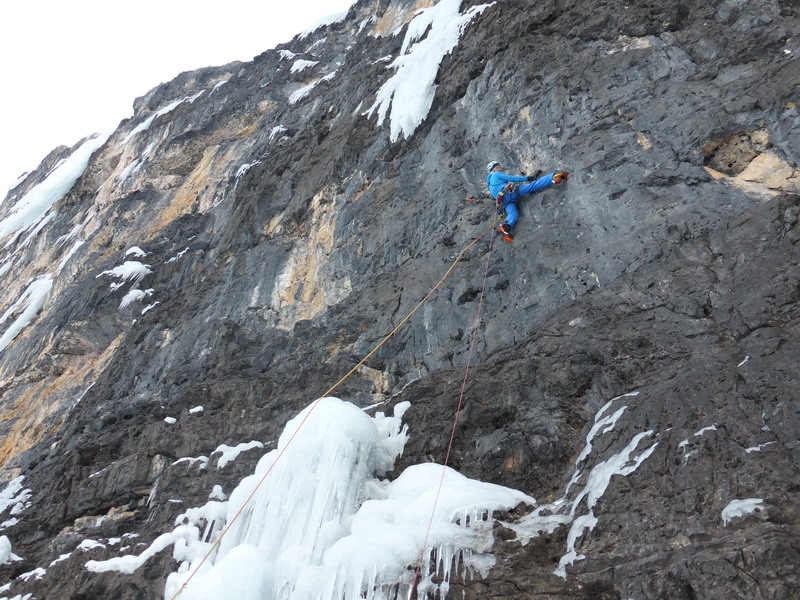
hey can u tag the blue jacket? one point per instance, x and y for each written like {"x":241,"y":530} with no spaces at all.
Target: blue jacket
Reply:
{"x":497,"y":180}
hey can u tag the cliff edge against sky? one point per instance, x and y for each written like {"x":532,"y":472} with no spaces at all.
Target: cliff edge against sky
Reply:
{"x":255,"y":230}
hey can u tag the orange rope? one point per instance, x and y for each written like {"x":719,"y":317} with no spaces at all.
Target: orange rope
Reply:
{"x":327,"y":393}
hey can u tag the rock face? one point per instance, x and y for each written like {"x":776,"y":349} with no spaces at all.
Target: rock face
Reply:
{"x":255,"y":230}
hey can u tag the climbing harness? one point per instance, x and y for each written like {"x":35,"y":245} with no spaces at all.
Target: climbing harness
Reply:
{"x":510,"y":188}
{"x":499,"y":202}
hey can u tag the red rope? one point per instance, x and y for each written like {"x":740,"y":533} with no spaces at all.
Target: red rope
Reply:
{"x":455,"y":417}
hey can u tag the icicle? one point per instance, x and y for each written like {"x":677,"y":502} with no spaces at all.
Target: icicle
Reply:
{"x":315,"y":523}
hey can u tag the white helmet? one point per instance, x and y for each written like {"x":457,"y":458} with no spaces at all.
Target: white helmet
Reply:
{"x":491,"y":166}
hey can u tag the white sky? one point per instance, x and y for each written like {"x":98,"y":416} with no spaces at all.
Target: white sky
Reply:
{"x":72,"y":68}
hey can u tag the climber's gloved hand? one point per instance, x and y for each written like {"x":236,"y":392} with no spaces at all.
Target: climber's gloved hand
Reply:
{"x":560,"y":177}
{"x":531,"y":178}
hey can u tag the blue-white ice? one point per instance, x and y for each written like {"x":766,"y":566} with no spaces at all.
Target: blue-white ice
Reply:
{"x":317,"y":521}
{"x":740,"y":508}
{"x":29,"y":210}
{"x":25,"y":309}
{"x":587,"y":485}
{"x":408,"y":95}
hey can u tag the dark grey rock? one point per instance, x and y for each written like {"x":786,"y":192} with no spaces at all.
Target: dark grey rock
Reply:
{"x":286,"y":240}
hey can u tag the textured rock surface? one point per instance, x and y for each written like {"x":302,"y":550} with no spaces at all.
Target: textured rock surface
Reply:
{"x":288,"y":235}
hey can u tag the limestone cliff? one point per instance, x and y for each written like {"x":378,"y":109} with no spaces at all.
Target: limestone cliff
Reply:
{"x":254,"y":230}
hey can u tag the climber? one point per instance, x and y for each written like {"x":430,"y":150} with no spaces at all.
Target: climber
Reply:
{"x":506,"y":190}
